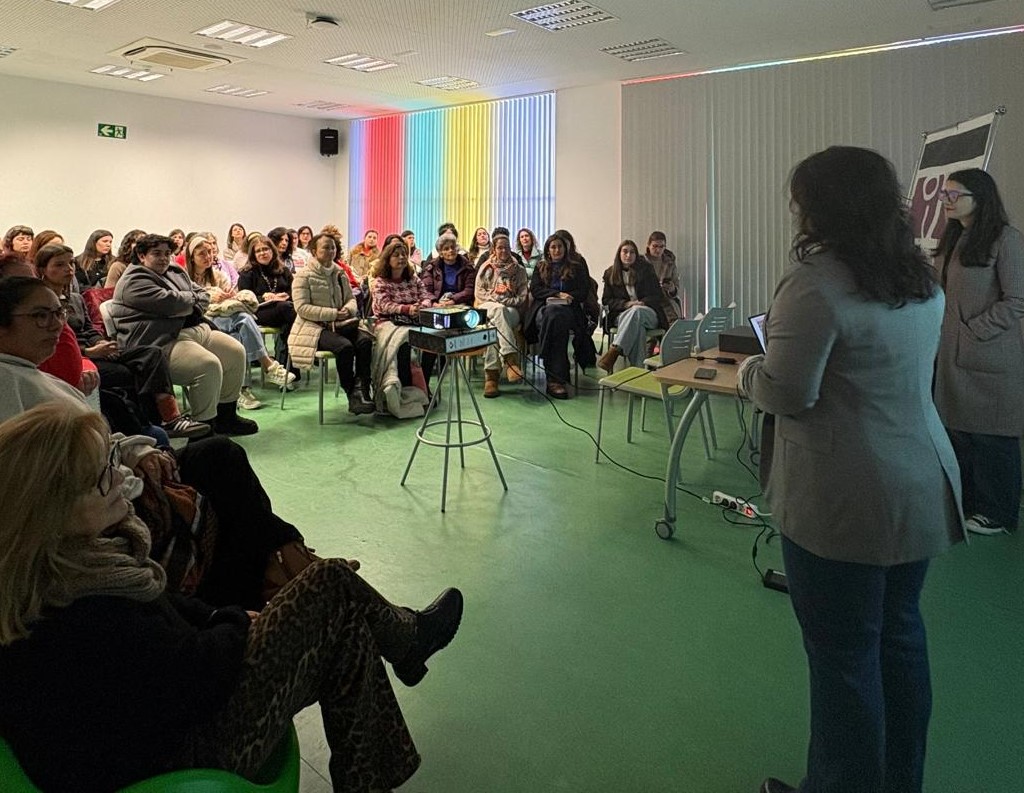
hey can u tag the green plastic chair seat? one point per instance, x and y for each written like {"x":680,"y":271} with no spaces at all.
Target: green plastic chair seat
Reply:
{"x":280,"y":774}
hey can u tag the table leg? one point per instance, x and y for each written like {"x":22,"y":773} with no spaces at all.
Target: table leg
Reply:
{"x":667,"y":524}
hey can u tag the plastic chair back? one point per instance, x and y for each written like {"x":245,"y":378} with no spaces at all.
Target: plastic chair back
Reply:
{"x":108,"y":321}
{"x":714,"y":322}
{"x":678,"y":341}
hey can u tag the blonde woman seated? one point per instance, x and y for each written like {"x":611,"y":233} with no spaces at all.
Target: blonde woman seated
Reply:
{"x":502,"y":289}
{"x":229,"y":312}
{"x":397,"y":295}
{"x":636,"y":304}
{"x":327,"y":319}
{"x":107,"y":679}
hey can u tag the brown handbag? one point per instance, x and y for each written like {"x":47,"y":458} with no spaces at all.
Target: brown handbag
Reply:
{"x":284,"y":564}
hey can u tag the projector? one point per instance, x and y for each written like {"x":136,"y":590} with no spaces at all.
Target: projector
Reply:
{"x":452,"y":317}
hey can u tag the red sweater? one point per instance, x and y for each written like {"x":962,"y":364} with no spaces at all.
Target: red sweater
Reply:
{"x":67,"y":362}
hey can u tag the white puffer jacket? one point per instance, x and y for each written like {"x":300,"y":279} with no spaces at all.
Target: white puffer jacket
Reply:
{"x":318,"y":294}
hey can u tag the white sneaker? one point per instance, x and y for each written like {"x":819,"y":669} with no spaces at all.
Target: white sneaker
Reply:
{"x":278,"y":375}
{"x":246,"y":400}
{"x":979,"y":524}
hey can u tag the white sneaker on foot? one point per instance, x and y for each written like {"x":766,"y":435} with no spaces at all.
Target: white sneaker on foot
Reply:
{"x":278,"y":375}
{"x":246,"y":400}
{"x":979,"y":524}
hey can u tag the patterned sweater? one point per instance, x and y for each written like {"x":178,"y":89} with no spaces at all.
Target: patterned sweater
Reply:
{"x":391,"y":297}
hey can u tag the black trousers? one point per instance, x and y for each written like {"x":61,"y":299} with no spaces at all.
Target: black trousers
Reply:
{"x":247,"y":528}
{"x":141,"y":371}
{"x":277,"y":314}
{"x":350,"y":347}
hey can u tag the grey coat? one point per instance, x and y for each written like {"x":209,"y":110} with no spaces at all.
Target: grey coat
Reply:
{"x":862,"y":469}
{"x":152,"y":309}
{"x":979,"y":375}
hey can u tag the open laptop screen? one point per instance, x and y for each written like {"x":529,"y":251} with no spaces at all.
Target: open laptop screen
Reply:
{"x":757,"y":323}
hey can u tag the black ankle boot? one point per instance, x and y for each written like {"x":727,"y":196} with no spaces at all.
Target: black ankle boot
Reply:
{"x":358,"y":405}
{"x":363,"y":386}
{"x":228,"y":422}
{"x":435,"y":628}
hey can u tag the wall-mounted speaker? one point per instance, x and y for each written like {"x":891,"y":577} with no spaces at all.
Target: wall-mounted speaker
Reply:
{"x":328,"y":142}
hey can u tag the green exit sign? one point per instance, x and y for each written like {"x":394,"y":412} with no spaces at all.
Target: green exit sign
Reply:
{"x":111,"y":131}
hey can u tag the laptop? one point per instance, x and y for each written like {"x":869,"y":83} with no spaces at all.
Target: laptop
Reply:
{"x":757,"y":323}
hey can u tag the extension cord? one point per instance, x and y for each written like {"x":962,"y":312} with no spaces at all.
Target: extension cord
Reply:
{"x":744,"y":508}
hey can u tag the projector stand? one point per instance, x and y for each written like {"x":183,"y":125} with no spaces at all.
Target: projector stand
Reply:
{"x":453,"y":372}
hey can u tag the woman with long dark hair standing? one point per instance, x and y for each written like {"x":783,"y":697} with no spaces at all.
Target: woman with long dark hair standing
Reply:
{"x":862,"y":480}
{"x":979,"y":378}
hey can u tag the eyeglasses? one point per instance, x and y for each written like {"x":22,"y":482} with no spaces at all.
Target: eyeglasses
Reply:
{"x":952,"y":196}
{"x":106,"y":480}
{"x":44,"y":316}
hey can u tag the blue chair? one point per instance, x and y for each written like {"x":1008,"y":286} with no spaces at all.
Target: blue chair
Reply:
{"x":280,"y":774}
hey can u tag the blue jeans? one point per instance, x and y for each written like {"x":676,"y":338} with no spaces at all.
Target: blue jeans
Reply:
{"x":870,"y":683}
{"x":990,"y":473}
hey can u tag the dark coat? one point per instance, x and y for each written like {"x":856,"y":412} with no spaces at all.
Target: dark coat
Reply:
{"x":579,"y":286}
{"x":432,"y":277}
{"x":648,"y":291}
{"x":259,"y":282}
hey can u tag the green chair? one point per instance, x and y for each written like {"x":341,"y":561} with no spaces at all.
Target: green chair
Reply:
{"x":280,"y":774}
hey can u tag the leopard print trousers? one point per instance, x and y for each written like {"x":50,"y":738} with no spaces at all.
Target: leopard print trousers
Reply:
{"x":321,"y":639}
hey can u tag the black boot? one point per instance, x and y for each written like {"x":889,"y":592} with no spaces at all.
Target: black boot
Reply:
{"x":357,"y":405}
{"x":363,"y":384}
{"x":228,"y":422}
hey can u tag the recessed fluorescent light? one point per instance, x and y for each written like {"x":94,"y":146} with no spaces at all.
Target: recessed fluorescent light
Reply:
{"x":565,"y":15}
{"x":938,"y":5}
{"x":361,"y":63}
{"x":647,"y":50}
{"x":449,"y":83}
{"x":89,"y":5}
{"x":235,"y":90}
{"x":499,"y":32}
{"x":127,"y":72}
{"x":240,"y":33}
{"x":322,"y":104}
{"x":5,"y":50}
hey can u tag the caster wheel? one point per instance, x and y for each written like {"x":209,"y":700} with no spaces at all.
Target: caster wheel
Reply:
{"x":664,"y":529}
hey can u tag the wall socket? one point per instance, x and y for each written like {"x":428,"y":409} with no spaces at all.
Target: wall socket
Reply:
{"x":744,"y":508}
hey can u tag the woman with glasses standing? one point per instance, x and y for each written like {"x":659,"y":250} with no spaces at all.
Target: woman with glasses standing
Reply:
{"x":979,"y":376}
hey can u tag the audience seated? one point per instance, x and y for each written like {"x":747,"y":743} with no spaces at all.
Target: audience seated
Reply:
{"x":92,"y":264}
{"x":42,"y":239}
{"x":664,"y":263}
{"x":284,"y":246}
{"x":18,"y":239}
{"x":235,"y":240}
{"x":502,"y":289}
{"x":363,"y":253}
{"x":177,"y":238}
{"x":635,"y":303}
{"x":141,"y":371}
{"x":305,"y":236}
{"x":559,"y":290}
{"x":328,"y":319}
{"x":106,"y":678}
{"x":219,"y":264}
{"x":155,"y":303}
{"x":397,"y":297}
{"x":266,"y":277}
{"x":529,"y":249}
{"x":125,"y":256}
{"x":480,"y":246}
{"x":415,"y":254}
{"x":233,"y":313}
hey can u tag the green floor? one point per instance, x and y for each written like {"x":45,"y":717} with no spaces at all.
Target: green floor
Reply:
{"x":594,"y":656}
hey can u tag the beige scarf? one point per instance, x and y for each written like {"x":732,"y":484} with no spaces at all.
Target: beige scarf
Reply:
{"x":115,"y":563}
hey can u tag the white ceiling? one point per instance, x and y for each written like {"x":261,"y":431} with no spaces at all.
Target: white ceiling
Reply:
{"x":431,"y":38}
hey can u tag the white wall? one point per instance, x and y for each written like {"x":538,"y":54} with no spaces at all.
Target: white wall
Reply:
{"x":183,"y":164}
{"x":588,"y":179}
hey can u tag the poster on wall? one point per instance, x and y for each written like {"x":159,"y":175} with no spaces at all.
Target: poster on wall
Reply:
{"x":966,"y":144}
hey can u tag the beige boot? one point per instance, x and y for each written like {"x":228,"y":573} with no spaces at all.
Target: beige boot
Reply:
{"x":513,"y":371}
{"x":491,"y":377}
{"x":608,"y":360}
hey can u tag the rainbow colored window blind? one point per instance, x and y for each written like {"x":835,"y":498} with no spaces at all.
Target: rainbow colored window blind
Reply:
{"x":486,"y":164}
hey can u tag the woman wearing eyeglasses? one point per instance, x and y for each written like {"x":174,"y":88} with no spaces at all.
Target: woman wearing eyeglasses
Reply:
{"x":106,"y":678}
{"x":979,"y":375}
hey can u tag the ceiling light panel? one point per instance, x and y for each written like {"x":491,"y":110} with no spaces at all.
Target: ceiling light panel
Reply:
{"x":5,"y":50}
{"x":648,"y":50}
{"x":449,"y":83}
{"x":89,"y":5}
{"x":361,"y":63}
{"x":240,"y":33}
{"x":127,"y":72}
{"x":235,"y":90}
{"x":565,"y":15}
{"x":938,"y":5}
{"x":322,"y":104}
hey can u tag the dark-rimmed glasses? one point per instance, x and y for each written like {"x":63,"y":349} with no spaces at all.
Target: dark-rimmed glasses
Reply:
{"x":952,"y":196}
{"x":44,"y":316}
{"x":106,"y":480}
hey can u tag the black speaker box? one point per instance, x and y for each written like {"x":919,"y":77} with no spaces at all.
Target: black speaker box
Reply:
{"x":328,"y":142}
{"x":740,"y":339}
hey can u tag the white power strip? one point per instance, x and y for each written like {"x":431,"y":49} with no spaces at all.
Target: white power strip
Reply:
{"x":744,"y":508}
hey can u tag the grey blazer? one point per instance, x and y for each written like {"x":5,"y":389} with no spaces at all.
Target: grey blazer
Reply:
{"x":979,"y":375}
{"x":862,"y":469}
{"x":151,"y":309}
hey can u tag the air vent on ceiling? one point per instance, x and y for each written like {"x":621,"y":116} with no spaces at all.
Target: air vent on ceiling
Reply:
{"x":637,"y":51}
{"x":449,"y":83}
{"x":565,"y":15}
{"x":5,"y":50}
{"x":939,"y":5}
{"x":171,"y":56}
